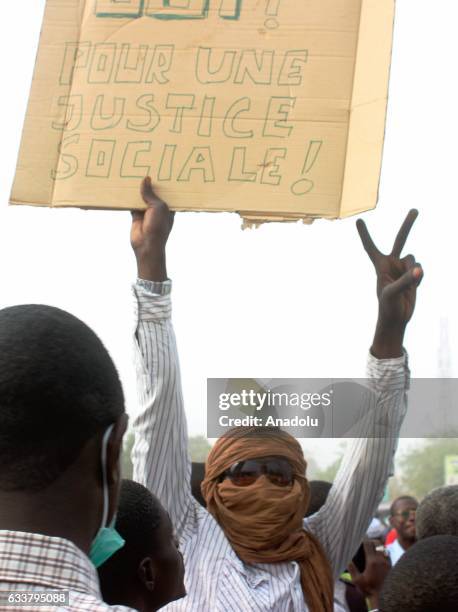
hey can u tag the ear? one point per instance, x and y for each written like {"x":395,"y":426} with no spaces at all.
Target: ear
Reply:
{"x":392,"y":522}
{"x":147,"y":573}
{"x":114,"y":450}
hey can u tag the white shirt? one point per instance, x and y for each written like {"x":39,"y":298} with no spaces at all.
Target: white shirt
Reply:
{"x":216,"y":579}
{"x":340,"y":599}
{"x":395,"y":551}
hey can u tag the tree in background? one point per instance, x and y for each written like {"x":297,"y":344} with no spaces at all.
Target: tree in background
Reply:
{"x":329,"y":473}
{"x":418,"y":471}
{"x":395,"y":487}
{"x":422,"y":469}
{"x":199,"y":447}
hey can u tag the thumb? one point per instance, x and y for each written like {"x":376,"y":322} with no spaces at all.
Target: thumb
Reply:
{"x":411,"y":278}
{"x":148,"y":195}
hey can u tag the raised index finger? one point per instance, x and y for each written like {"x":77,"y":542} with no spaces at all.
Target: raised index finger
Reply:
{"x":404,"y":232}
{"x":367,"y":241}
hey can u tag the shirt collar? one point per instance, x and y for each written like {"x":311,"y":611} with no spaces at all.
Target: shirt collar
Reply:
{"x":397,"y":547}
{"x":31,"y":558}
{"x":254,"y":573}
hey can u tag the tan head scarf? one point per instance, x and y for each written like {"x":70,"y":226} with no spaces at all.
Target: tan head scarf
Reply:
{"x":263,"y":522}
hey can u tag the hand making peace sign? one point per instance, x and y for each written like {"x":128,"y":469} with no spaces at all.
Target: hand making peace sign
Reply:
{"x":397,"y":279}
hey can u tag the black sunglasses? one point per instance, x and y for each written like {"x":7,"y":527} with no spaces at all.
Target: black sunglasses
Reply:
{"x":244,"y":473}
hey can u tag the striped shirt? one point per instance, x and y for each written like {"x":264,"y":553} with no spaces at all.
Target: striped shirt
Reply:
{"x":31,"y":564}
{"x":216,"y":579}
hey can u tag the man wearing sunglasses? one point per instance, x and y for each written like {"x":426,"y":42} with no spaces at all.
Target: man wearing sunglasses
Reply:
{"x":251,"y":550}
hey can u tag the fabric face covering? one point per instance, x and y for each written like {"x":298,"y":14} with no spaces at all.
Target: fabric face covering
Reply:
{"x":277,"y":510}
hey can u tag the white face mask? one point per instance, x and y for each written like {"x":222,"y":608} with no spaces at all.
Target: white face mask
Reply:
{"x":107,"y":541}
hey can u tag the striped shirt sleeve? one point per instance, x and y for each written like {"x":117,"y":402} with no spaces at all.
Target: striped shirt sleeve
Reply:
{"x":342,"y":522}
{"x":160,"y":453}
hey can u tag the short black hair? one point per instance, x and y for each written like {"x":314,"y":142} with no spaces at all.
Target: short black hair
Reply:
{"x":400,"y":499}
{"x":319,"y":490}
{"x":437,"y":514}
{"x":58,"y":388}
{"x":138,"y":518}
{"x":139,"y":515}
{"x":424,"y":579}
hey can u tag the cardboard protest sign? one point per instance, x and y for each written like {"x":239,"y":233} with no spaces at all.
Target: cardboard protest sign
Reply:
{"x":271,"y":108}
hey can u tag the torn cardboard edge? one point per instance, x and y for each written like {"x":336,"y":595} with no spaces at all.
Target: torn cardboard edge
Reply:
{"x":250,"y":220}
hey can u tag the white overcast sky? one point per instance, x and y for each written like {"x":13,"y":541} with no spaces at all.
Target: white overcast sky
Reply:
{"x":281,"y":301}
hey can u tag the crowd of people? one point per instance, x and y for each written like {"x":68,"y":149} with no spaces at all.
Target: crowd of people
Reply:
{"x":246,"y":532}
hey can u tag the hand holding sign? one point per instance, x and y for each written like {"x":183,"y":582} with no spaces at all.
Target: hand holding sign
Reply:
{"x":149,"y":234}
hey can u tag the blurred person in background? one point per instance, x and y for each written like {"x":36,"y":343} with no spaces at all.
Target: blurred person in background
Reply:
{"x":437,"y":514}
{"x":402,"y":518}
{"x":360,"y":586}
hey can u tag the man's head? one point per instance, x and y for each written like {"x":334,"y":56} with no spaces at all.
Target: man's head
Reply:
{"x":402,"y":518}
{"x":244,"y":456}
{"x":425,"y":579}
{"x":437,"y":514}
{"x":148,"y":572}
{"x":253,"y":471}
{"x":59,"y":393}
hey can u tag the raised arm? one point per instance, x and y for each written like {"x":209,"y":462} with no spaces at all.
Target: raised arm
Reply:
{"x":361,"y":480}
{"x":160,"y":453}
